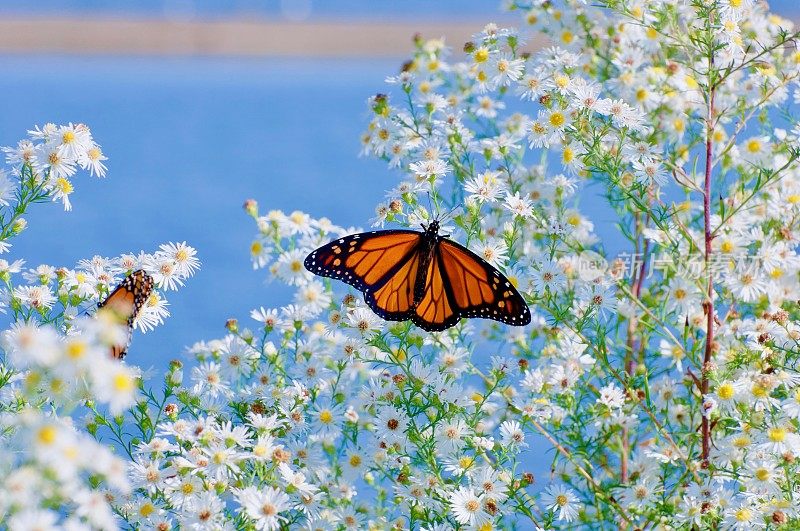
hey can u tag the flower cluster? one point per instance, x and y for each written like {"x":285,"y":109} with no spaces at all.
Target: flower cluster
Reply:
{"x":341,"y":423}
{"x":55,"y":365}
{"x":50,"y":468}
{"x":47,"y":160}
{"x":58,"y":295}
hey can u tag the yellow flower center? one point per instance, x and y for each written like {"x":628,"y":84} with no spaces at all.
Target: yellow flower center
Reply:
{"x":759,"y":391}
{"x":481,"y":55}
{"x":753,"y":145}
{"x":68,"y":137}
{"x":557,"y":119}
{"x":76,"y":349}
{"x":325,"y":416}
{"x":122,"y":382}
{"x":57,"y":386}
{"x":47,"y":434}
{"x":777,"y":435}
{"x":561,"y":500}
{"x":762,"y":474}
{"x":64,"y":186}
{"x":146,"y":509}
{"x":355,"y":461}
{"x":741,"y":442}
{"x":725,"y":391}
{"x":743,"y":515}
{"x":187,"y":488}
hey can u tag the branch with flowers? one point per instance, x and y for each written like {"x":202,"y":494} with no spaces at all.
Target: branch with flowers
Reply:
{"x":655,"y":387}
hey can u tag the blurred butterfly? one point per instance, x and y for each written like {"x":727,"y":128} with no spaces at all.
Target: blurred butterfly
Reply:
{"x":421,"y":276}
{"x":125,"y":303}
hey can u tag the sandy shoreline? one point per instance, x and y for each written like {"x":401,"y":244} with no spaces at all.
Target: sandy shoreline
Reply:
{"x":20,"y":35}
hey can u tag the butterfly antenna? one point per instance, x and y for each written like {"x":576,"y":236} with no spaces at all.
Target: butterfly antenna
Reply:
{"x":449,"y":214}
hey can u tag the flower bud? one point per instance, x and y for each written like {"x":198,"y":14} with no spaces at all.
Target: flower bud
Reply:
{"x":19,"y":225}
{"x":176,"y":377}
{"x":251,"y":207}
{"x":171,"y":410}
{"x":380,"y":104}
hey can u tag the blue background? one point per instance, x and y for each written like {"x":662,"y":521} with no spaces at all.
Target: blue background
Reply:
{"x":188,"y":140}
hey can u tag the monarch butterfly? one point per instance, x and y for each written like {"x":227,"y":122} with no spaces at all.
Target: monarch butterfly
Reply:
{"x":421,"y":276}
{"x":125,"y":303}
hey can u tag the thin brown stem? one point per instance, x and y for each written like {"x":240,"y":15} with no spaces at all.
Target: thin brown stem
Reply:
{"x":708,"y":237}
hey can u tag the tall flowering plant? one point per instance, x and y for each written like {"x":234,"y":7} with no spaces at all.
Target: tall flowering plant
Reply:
{"x":59,"y":387}
{"x":657,"y":381}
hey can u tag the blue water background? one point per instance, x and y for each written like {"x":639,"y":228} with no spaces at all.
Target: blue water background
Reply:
{"x":188,"y":141}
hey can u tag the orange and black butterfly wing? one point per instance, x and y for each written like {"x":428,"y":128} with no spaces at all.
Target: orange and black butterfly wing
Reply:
{"x":124,"y":304}
{"x":475,"y":288}
{"x":381,"y":264}
{"x":435,"y":311}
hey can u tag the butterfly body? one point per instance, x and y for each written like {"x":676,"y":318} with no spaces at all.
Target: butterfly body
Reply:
{"x":420,"y":276}
{"x":125,"y":302}
{"x":429,"y":240}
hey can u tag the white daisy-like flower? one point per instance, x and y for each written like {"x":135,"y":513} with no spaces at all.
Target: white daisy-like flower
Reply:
{"x":494,"y":251}
{"x":512,"y":435}
{"x":518,"y":206}
{"x":263,"y":506}
{"x":467,"y":507}
{"x":561,"y":500}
